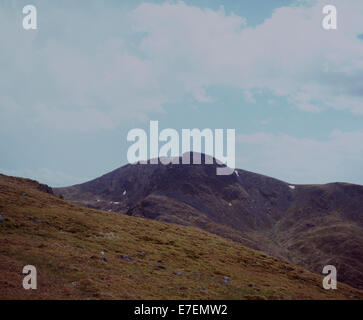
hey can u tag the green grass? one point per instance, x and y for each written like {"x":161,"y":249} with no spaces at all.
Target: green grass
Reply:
{"x":65,"y":247}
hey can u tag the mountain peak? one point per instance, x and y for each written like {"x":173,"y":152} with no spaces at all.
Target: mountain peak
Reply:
{"x":260,"y":212}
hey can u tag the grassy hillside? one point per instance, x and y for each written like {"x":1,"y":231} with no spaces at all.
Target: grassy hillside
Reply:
{"x":146,"y":259}
{"x":308,"y":225}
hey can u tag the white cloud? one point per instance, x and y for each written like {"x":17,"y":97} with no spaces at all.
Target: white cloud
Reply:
{"x":290,"y":54}
{"x":134,"y":63}
{"x":93,"y":83}
{"x":265,"y":122}
{"x":201,"y":96}
{"x":302,"y":160}
{"x":85,"y":119}
{"x":249,"y":96}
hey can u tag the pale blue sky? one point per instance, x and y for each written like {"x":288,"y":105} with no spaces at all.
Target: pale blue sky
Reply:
{"x":71,"y":90}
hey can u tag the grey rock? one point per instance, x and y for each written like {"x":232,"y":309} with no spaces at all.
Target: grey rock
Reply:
{"x":227,"y":279}
{"x":127,"y":258}
{"x":160,"y":266}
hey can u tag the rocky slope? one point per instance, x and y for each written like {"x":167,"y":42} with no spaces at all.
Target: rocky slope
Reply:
{"x":309,"y":225}
{"x":143,"y":259}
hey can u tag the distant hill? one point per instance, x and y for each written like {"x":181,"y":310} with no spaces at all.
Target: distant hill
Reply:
{"x":308,"y":225}
{"x":143,"y":259}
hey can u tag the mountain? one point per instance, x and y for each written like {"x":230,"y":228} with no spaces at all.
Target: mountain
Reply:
{"x":143,"y":259}
{"x":308,"y":225}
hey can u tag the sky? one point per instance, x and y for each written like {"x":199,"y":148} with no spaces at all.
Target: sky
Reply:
{"x":71,"y":90}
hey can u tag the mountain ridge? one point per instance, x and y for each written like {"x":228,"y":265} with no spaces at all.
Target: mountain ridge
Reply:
{"x":296,"y":222}
{"x":142,"y":258}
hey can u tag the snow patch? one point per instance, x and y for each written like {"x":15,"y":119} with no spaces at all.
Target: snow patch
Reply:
{"x":124,"y":193}
{"x":236,"y":172}
{"x":292,"y":187}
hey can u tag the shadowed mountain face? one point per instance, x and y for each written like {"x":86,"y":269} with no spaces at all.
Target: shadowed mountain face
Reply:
{"x":309,"y":225}
{"x":140,"y":259}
